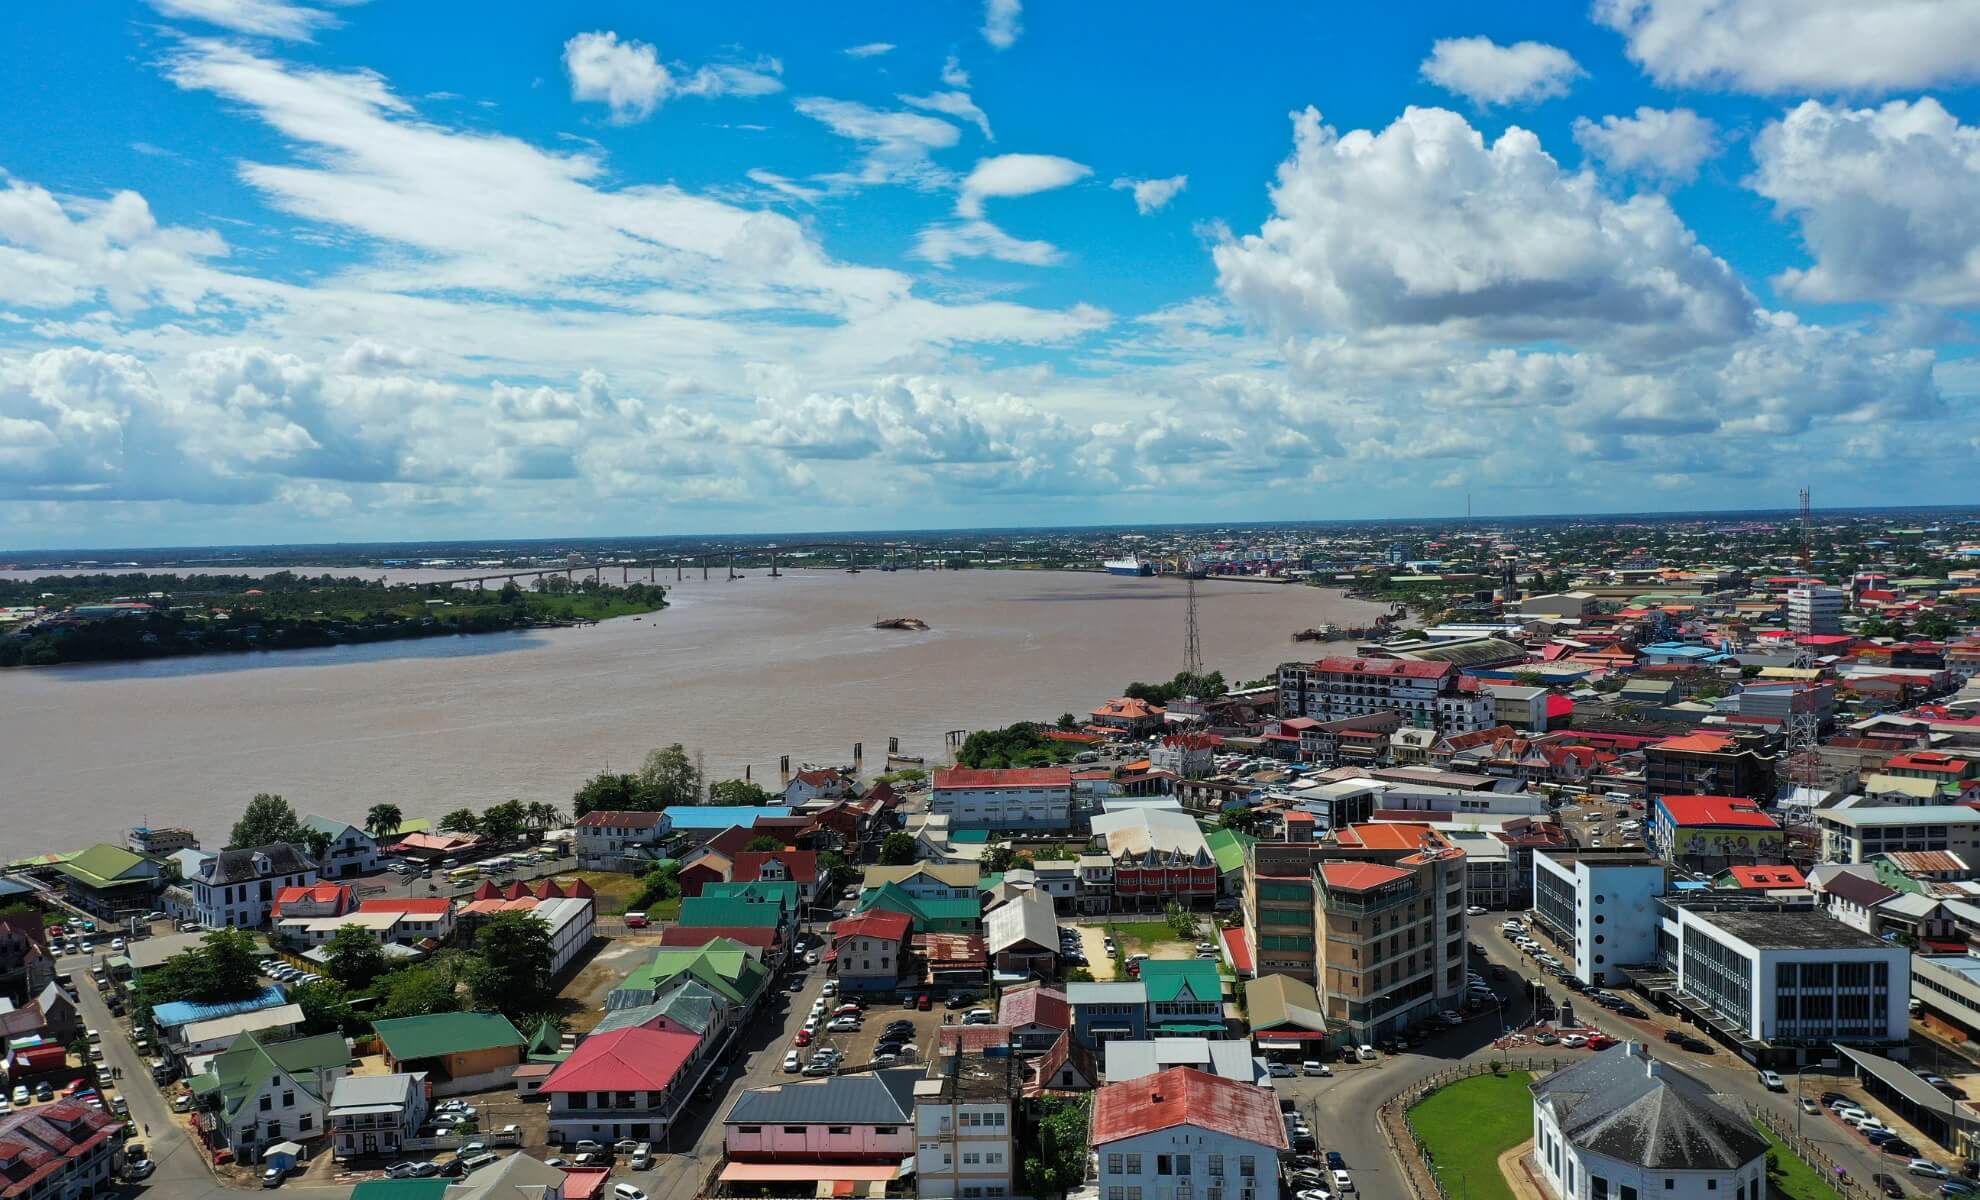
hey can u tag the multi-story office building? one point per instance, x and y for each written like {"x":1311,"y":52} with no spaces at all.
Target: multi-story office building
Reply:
{"x":1429,"y":695}
{"x":965,"y":1126}
{"x":1711,"y":764}
{"x":1783,"y":984}
{"x":1600,"y":907}
{"x":1854,"y":833}
{"x":1813,"y":609}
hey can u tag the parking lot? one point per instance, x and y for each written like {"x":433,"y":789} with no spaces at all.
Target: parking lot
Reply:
{"x":857,"y":1045}
{"x":1599,"y":822}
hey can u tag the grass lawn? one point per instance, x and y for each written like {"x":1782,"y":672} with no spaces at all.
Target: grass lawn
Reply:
{"x":1144,"y":933}
{"x":1797,"y":1180}
{"x":613,"y":890}
{"x":1469,"y":1124}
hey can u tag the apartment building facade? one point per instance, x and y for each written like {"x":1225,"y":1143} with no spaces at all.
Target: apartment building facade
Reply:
{"x":965,"y":1127}
{"x":1007,"y":799}
{"x":1429,"y":695}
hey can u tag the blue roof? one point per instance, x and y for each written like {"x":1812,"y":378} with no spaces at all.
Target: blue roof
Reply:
{"x":721,"y":816}
{"x":1682,"y":649}
{"x":178,"y":1012}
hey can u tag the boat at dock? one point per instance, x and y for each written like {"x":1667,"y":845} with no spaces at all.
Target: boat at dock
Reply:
{"x":1127,"y":566}
{"x":914,"y":623}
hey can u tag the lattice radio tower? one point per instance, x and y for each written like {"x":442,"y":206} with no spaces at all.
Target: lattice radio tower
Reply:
{"x":1804,"y":531}
{"x":1192,"y":640}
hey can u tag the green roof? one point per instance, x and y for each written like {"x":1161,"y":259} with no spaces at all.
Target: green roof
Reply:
{"x":439,"y":1034}
{"x":400,"y":1189}
{"x":547,"y":1038}
{"x":756,"y":891}
{"x":416,"y":825}
{"x":1165,"y":979}
{"x":330,"y":825}
{"x":107,"y":866}
{"x":718,"y":911}
{"x":240,"y":1068}
{"x":942,"y":916}
{"x":1227,"y":847}
{"x":970,"y":837}
{"x":725,"y":966}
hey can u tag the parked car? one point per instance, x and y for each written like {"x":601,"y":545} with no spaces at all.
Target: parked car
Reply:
{"x":1889,"y":1186}
{"x":272,"y":1177}
{"x":1279,"y":1070}
{"x":1927,"y":1168}
{"x":978,"y":1016}
{"x":1314,"y":1066}
{"x":1364,"y":1053}
{"x":791,"y":1064}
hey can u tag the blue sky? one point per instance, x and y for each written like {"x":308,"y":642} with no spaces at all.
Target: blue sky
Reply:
{"x":274,"y":270}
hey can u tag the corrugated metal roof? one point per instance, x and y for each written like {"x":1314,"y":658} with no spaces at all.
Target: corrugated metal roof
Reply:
{"x":881,"y":1097}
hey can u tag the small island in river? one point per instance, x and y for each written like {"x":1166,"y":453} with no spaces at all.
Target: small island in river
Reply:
{"x":114,"y":618}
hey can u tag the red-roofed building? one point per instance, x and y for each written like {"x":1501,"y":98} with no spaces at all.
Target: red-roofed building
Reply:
{"x":1708,"y":833}
{"x":869,"y":949}
{"x":58,"y":1150}
{"x":1019,"y":798}
{"x":806,"y":786}
{"x":1719,"y":764}
{"x":1037,"y":1016}
{"x":1126,"y":715}
{"x":1760,"y":879}
{"x":432,"y":847}
{"x":781,"y":866}
{"x":317,"y":900}
{"x":1930,"y":764}
{"x":645,"y":1076}
{"x":1359,"y":877}
{"x":1140,"y":1126}
{"x":609,"y":839}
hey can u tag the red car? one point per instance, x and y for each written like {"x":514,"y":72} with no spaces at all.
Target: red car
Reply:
{"x":803,"y":1037}
{"x":635,"y":920}
{"x":922,"y":1002}
{"x":1600,"y":1041}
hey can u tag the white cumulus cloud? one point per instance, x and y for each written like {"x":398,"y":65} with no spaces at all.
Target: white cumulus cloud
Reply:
{"x":1888,"y":200}
{"x":954,"y":104}
{"x":1016,"y":175}
{"x":261,"y":18}
{"x":629,"y":77}
{"x":1659,"y":143}
{"x":944,"y":242}
{"x":897,"y":143}
{"x":1771,"y":46}
{"x":1486,"y":73}
{"x":1152,"y":195}
{"x":1000,"y":22}
{"x":868,"y":50}
{"x":1424,"y":225}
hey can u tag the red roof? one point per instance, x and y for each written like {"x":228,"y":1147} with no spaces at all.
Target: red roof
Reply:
{"x":1394,"y":667}
{"x":1701,"y":743}
{"x":429,"y":906}
{"x":336,"y":895}
{"x":1393,"y":836}
{"x":1358,"y":876}
{"x":1768,"y":877}
{"x":1035,"y":1006}
{"x":1015,"y":777}
{"x":874,"y":923}
{"x":816,"y":778}
{"x":1733,"y":811}
{"x":1939,"y":764}
{"x":38,"y":1144}
{"x":1186,"y":1096}
{"x":1238,"y":945}
{"x":620,"y":818}
{"x":748,"y":865}
{"x":635,"y":1059}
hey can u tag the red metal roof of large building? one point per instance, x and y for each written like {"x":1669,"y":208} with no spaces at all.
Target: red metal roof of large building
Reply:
{"x":757,"y":937}
{"x":635,"y":1059}
{"x":36,"y":1144}
{"x":1187,"y":1096}
{"x":1397,"y":835}
{"x":337,"y":895}
{"x":1007,"y":777}
{"x":1394,"y":667}
{"x":1699,"y":743}
{"x":1767,"y":877}
{"x":1359,"y":876}
{"x":1035,"y":1005}
{"x":1927,"y":760}
{"x":1734,"y":811}
{"x":874,"y":923}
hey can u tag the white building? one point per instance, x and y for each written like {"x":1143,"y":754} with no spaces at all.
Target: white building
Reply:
{"x":965,"y":1127}
{"x":1815,"y":610}
{"x":606,"y":835}
{"x":1784,"y":985}
{"x":1185,"y":755}
{"x":1182,"y":1134}
{"x":1019,"y":798}
{"x":1601,"y":906}
{"x":1427,"y":694}
{"x":1852,"y":833}
{"x":571,"y":920}
{"x":235,"y":889}
{"x":1621,"y":1125}
{"x":375,"y":1114}
{"x":351,"y":852}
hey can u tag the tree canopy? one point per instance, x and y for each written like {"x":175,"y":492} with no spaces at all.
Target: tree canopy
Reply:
{"x":1020,"y":745}
{"x":511,"y":966}
{"x":670,"y":776}
{"x":1055,"y":1163}
{"x":267,"y":819}
{"x":897,"y":849}
{"x":738,"y":791}
{"x":461,"y":820}
{"x":353,"y":956}
{"x":225,"y":967}
{"x":417,"y":990}
{"x":1207,"y":686}
{"x":383,"y":819}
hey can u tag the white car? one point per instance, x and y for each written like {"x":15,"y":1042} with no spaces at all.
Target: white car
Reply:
{"x":1574,"y":1041}
{"x":1343,"y":1182}
{"x":1364,"y":1053}
{"x":1315,"y":1067}
{"x":791,"y":1064}
{"x":978,"y":1016}
{"x":626,"y":1191}
{"x":1927,"y":1168}
{"x":811,"y":958}
{"x":1476,"y":910}
{"x":1279,"y":1070}
{"x":1772,"y":1082}
{"x":843,"y":1025}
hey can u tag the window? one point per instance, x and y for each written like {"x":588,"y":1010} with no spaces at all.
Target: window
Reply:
{"x":1247,"y":1166}
{"x":288,"y":1099}
{"x":1134,"y":1164}
{"x":839,"y":1129}
{"x":1114,"y":1193}
{"x":793,"y":1129}
{"x":1629,"y":1192}
{"x":1598,"y":1188}
{"x":1669,"y":1184}
{"x":1162,"y":1165}
{"x":1216,"y":1165}
{"x":1711,"y":1185}
{"x":305,"y":1121}
{"x":885,"y":1130}
{"x":749,"y":1129}
{"x":1113,"y":1164}
{"x":267,"y":1103}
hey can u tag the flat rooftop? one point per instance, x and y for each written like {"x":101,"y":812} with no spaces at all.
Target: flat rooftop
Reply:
{"x":1597,"y":857}
{"x":1803,"y":930}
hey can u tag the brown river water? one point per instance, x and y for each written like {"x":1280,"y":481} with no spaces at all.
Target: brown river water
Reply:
{"x":743,"y":671}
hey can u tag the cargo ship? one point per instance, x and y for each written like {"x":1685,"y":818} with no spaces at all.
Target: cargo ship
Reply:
{"x":1127,"y":566}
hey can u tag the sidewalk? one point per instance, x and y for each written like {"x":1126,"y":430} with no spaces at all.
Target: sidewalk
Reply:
{"x":1512,"y":1165}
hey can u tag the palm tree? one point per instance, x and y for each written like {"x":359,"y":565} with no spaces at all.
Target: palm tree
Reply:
{"x":383,"y":819}
{"x":541,"y":816}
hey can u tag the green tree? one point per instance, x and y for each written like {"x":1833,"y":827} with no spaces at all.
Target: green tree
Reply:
{"x":1067,"y":722}
{"x":839,"y":874}
{"x":1056,"y":1162}
{"x":661,"y":883}
{"x":226,"y":966}
{"x":510,"y":594}
{"x":268,"y":819}
{"x":383,"y":819}
{"x":1180,"y":920}
{"x":510,"y":970}
{"x":764,"y":842}
{"x":615,"y":793}
{"x":461,"y":820}
{"x":897,"y":849}
{"x":353,"y":956}
{"x":316,"y":841}
{"x":669,"y":777}
{"x":326,"y":1007}
{"x":1240,"y":819}
{"x":417,"y":990}
{"x":540,"y":816}
{"x":737,"y":791}
{"x":504,"y":822}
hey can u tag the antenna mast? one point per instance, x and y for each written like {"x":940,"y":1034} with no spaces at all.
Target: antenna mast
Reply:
{"x":1804,"y":531}
{"x":1192,"y":641}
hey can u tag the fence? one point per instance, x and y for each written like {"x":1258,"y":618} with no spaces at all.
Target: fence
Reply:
{"x":1417,"y":1167}
{"x":1808,"y":1152}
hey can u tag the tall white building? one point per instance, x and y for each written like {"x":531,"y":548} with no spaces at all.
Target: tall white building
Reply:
{"x":1602,"y":906}
{"x":1016,"y":798}
{"x":965,"y":1127}
{"x":1182,"y":1134}
{"x":236,"y":889}
{"x":1814,"y":609}
{"x":1429,"y":695}
{"x":1621,"y":1125}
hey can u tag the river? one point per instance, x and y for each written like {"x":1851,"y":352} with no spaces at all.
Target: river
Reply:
{"x":742,"y":671}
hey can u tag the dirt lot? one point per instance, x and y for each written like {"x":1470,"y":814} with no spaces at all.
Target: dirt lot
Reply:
{"x":615,"y":958}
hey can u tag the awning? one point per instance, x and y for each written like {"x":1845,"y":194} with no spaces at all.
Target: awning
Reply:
{"x":754,"y":1172}
{"x":1292,"y":1037}
{"x":1901,"y":1079}
{"x":1186,"y":1028}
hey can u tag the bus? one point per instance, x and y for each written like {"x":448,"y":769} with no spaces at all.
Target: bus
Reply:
{"x":463,"y":874}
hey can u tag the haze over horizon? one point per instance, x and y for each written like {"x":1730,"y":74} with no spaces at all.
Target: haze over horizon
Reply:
{"x":275,"y":271}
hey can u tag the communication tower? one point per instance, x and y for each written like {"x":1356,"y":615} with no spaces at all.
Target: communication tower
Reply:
{"x":1192,"y":641}
{"x":1804,"y":531}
